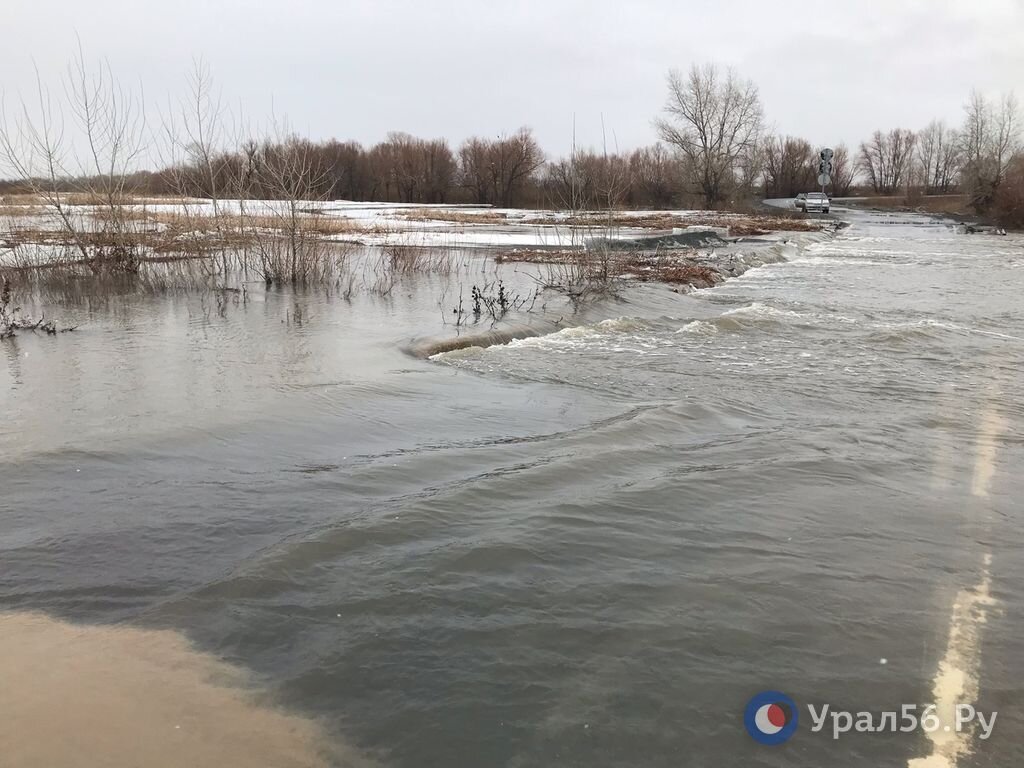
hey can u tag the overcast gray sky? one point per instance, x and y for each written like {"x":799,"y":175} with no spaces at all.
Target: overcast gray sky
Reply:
{"x":829,"y":71}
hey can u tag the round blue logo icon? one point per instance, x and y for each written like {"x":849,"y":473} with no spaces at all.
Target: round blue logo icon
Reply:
{"x":771,"y":717}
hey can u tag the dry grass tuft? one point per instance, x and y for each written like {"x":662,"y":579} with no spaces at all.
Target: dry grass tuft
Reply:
{"x":93,"y":198}
{"x":749,"y":225}
{"x":600,"y":264}
{"x":318,"y":225}
{"x":15,"y":210}
{"x":164,"y":241}
{"x":738,"y":225}
{"x":538,"y":256}
{"x":482,"y":216}
{"x":181,"y":222}
{"x":696,"y":275}
{"x":615,"y":219}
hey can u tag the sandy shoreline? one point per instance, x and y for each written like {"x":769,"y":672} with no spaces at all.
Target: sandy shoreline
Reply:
{"x":119,"y":696}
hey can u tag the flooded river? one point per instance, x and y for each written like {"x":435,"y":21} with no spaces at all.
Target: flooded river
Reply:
{"x":272,"y":531}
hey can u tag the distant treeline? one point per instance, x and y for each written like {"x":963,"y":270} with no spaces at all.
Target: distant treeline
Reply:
{"x":509,"y":171}
{"x":714,"y":151}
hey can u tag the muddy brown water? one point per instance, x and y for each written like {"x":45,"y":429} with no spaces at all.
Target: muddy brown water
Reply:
{"x":274,"y":537}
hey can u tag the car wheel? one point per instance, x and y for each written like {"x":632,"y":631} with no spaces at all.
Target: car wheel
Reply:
{"x":825,"y":210}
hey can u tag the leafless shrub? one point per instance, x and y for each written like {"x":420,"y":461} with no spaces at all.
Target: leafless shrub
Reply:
{"x":99,"y":167}
{"x":292,"y":251}
{"x":479,"y":216}
{"x":580,"y":274}
{"x":696,"y":275}
{"x":200,"y":166}
{"x":584,"y":274}
{"x":76,"y":281}
{"x":13,"y":320}
{"x":403,"y":259}
{"x":493,"y":301}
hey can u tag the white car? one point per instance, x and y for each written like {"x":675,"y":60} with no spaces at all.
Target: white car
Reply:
{"x":816,"y":201}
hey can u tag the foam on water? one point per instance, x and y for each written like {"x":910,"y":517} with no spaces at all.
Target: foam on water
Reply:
{"x":575,"y":335}
{"x":758,"y":309}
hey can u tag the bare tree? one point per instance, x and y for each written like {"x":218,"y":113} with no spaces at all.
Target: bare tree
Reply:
{"x":1009,"y":202}
{"x":112,"y":121}
{"x":439,"y":168}
{"x":560,"y":182}
{"x":790,"y":166}
{"x":872,"y":160}
{"x":423,"y":171}
{"x":901,"y":153}
{"x":407,"y":165}
{"x":1006,"y":134}
{"x":384,"y":176}
{"x":35,"y":150}
{"x":347,"y":171}
{"x":514,"y":160}
{"x":201,"y":165}
{"x":107,"y":125}
{"x":497,"y":171}
{"x":885,"y":159}
{"x":714,"y":118}
{"x":990,"y":138}
{"x":750,"y":170}
{"x":842,"y":171}
{"x":654,"y":177}
{"x":474,"y":169}
{"x":938,"y":154}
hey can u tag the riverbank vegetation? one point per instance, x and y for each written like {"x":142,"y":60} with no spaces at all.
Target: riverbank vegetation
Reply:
{"x":584,"y":271}
{"x":13,"y":319}
{"x":100,"y":193}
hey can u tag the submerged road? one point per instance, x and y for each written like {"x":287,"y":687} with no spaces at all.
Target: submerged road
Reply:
{"x":589,"y":548}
